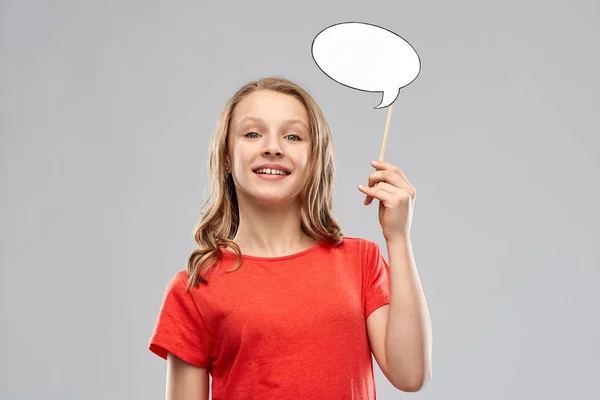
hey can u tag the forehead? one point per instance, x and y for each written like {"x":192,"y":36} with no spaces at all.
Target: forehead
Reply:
{"x":271,"y":107}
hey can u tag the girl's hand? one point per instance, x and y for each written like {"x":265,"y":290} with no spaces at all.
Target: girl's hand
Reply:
{"x":396,"y":198}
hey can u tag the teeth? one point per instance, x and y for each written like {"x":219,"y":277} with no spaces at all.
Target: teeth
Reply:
{"x":270,"y":171}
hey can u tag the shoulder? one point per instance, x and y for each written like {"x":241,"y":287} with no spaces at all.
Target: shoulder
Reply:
{"x":365,"y":250}
{"x":176,"y":285}
{"x":360,"y":244}
{"x":178,"y":280}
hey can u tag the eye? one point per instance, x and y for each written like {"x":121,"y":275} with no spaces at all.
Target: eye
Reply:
{"x":296,"y":136}
{"x":251,"y":133}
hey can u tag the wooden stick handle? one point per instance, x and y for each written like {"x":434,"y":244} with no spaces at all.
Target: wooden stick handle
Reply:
{"x":385,"y":135}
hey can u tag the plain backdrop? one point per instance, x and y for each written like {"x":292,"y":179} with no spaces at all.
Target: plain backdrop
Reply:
{"x":106,"y":112}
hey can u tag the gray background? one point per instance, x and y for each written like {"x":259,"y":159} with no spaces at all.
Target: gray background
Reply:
{"x":107,"y":109}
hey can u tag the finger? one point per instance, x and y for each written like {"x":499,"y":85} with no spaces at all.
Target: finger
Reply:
{"x":385,"y":187}
{"x":387,"y":176}
{"x":380,"y":177}
{"x":375,"y":193}
{"x":382,"y":165}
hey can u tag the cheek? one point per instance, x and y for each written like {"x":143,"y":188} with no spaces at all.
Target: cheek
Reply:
{"x":302,"y":164}
{"x":240,"y":158}
{"x":302,"y":159}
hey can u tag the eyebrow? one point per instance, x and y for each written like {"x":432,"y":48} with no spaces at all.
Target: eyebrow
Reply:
{"x":286,"y":122}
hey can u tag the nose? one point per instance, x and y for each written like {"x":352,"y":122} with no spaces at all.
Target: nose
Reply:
{"x":272,"y":146}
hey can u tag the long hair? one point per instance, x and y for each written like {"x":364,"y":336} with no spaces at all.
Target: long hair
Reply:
{"x":219,"y":224}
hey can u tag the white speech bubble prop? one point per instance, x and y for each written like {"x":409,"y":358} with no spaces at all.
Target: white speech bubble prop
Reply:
{"x":366,"y":57}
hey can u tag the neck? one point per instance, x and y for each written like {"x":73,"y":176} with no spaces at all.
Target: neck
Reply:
{"x":271,"y":231}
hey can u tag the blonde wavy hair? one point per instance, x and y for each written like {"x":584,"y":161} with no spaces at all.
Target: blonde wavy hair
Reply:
{"x":219,"y":224}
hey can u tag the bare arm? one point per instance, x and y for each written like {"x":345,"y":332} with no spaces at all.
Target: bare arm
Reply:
{"x":408,"y":337}
{"x":185,"y":381}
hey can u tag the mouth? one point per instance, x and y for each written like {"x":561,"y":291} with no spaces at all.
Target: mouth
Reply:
{"x":271,"y":171}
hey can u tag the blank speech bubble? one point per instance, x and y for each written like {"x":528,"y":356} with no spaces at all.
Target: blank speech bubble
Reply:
{"x":366,"y":57}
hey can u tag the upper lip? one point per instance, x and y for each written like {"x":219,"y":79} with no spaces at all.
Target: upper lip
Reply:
{"x":273,"y":166}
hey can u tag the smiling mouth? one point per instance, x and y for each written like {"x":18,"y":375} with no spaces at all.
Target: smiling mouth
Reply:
{"x":269,"y":171}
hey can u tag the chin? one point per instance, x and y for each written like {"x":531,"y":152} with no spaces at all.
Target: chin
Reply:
{"x":273,"y":201}
{"x":266,"y":195}
{"x":272,"y":198}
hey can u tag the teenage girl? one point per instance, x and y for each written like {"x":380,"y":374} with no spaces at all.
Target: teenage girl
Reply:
{"x":276,"y":303}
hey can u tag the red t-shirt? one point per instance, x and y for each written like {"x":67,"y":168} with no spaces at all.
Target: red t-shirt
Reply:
{"x":291,"y":327}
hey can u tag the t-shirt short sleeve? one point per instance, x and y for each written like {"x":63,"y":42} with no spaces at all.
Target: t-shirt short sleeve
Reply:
{"x":377,"y":278}
{"x":180,"y":327}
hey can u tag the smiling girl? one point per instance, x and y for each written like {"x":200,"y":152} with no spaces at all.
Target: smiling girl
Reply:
{"x":275,"y":302}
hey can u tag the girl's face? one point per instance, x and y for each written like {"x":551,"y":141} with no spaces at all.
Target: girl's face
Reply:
{"x":269,"y":146}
